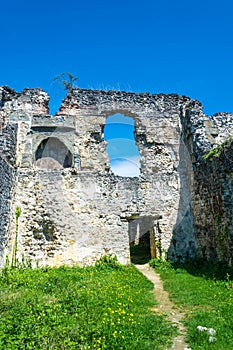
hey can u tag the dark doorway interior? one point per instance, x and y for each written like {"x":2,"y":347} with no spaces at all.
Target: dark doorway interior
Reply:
{"x":140,"y":252}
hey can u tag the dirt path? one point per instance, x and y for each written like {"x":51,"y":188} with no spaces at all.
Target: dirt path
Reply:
{"x":165,"y":305}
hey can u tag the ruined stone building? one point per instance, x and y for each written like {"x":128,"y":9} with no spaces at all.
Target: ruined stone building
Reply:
{"x":56,"y":171}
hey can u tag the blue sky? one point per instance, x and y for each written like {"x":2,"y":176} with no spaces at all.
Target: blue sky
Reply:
{"x":183,"y":47}
{"x":121,"y":148}
{"x":156,"y":46}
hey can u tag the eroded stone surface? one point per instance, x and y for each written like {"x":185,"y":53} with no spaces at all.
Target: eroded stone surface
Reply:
{"x":76,"y":213}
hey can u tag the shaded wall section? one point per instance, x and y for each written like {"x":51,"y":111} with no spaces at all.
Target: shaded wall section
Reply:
{"x":213,"y":205}
{"x":7,"y":183}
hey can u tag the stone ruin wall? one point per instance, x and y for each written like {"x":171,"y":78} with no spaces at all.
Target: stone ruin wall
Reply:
{"x":75,"y":215}
{"x":7,"y":181}
{"x":212,"y":184}
{"x":212,"y":204}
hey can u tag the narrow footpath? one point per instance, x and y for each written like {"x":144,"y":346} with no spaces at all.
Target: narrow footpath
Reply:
{"x":165,"y":306}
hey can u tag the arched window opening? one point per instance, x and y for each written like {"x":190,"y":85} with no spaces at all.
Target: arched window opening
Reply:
{"x":53,"y":154}
{"x":122,"y":149}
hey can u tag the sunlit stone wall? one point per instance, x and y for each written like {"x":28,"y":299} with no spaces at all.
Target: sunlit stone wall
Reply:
{"x":79,"y":212}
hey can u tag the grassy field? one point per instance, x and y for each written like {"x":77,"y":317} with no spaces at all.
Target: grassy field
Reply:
{"x":101,"y":307}
{"x":205,"y":294}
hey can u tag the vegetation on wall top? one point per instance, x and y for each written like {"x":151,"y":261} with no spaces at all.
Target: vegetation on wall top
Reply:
{"x":217,"y":151}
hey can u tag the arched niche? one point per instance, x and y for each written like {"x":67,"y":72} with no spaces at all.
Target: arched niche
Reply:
{"x":122,"y":149}
{"x":53,"y":154}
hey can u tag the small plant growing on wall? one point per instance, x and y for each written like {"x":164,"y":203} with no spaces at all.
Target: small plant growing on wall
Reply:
{"x":67,"y":80}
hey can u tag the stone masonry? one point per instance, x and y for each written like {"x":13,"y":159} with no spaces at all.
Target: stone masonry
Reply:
{"x":74,"y":209}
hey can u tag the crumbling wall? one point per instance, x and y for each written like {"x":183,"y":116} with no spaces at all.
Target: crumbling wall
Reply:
{"x":208,"y":140}
{"x":213,"y":207}
{"x":157,"y":133}
{"x":77,"y":213}
{"x":8,"y":134}
{"x":16,"y":106}
{"x":80,"y":213}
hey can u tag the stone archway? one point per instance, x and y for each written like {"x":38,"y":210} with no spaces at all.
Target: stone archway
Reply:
{"x":53,"y":154}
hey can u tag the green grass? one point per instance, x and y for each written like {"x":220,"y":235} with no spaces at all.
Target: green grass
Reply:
{"x":101,"y":307}
{"x":205,"y":293}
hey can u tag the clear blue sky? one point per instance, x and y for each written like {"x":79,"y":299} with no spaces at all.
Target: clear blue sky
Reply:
{"x":157,"y":46}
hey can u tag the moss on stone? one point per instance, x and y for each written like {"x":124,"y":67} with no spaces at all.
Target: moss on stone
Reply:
{"x":217,"y":151}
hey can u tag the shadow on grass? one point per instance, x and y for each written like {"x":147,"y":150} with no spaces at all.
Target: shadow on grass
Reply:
{"x":207,"y":269}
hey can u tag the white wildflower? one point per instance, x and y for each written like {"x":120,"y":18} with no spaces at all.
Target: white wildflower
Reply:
{"x":211,"y":339}
{"x":211,"y":331}
{"x":201,"y":329}
{"x":187,"y":349}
